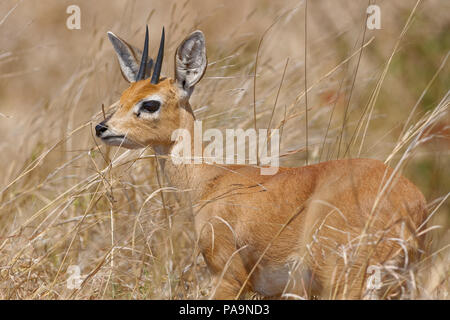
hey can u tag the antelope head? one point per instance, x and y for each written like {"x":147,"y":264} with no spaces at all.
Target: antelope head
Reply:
{"x":151,"y":108}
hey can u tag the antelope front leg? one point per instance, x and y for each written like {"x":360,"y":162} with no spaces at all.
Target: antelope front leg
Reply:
{"x":225,"y":288}
{"x":224,"y":261}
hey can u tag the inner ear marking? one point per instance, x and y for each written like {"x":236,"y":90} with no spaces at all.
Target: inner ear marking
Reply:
{"x":190,"y":61}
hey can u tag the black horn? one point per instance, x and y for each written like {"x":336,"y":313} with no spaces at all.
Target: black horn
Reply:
{"x":159,"y":60}
{"x":143,"y":66}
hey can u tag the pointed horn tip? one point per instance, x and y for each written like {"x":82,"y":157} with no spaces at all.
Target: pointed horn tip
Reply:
{"x":163,"y":38}
{"x":159,"y":59}
{"x":143,"y":66}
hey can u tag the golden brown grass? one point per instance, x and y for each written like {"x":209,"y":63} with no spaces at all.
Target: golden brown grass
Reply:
{"x":64,"y":200}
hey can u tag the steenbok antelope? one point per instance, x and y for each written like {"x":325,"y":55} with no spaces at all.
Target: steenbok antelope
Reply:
{"x":314,"y":230}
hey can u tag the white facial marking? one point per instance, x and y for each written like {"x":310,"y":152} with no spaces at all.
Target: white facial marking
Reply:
{"x":148,"y":115}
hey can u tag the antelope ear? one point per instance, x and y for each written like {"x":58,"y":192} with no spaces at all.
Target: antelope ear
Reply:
{"x":129,"y":58}
{"x":190,"y":61}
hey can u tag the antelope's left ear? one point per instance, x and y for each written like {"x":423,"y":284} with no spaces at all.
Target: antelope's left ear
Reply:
{"x":190,"y":61}
{"x":129,"y":58}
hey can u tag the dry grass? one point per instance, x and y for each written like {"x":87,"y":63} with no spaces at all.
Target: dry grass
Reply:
{"x":66,"y":201}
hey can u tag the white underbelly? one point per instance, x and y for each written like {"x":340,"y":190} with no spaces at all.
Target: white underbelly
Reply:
{"x":285,"y":279}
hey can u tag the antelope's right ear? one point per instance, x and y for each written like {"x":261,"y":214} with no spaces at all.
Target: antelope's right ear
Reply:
{"x":129,"y":58}
{"x":190,"y":61}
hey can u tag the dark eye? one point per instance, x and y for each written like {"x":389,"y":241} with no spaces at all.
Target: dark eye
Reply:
{"x":150,"y":106}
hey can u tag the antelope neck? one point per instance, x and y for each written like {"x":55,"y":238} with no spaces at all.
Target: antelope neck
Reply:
{"x":183,"y":176}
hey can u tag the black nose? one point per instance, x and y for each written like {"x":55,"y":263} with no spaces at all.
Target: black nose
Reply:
{"x":100,"y":128}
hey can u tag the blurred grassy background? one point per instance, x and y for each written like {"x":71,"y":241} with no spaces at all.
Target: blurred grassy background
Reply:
{"x":60,"y":202}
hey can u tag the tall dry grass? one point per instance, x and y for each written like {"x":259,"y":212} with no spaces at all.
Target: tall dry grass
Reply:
{"x":65,"y":200}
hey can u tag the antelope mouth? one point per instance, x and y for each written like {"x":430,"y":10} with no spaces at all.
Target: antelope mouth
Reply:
{"x":119,"y":141}
{"x":108,"y":138}
{"x":115,"y":140}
